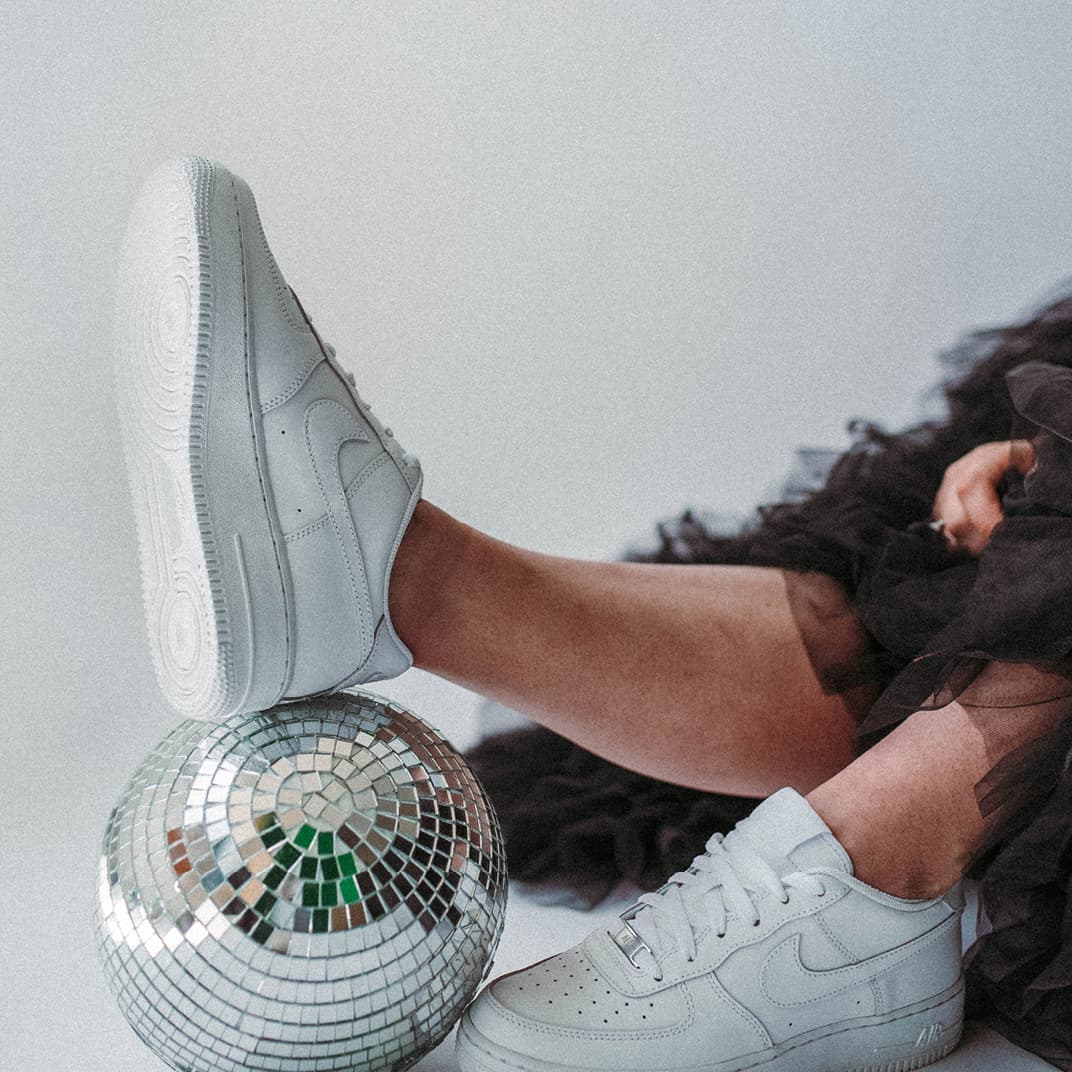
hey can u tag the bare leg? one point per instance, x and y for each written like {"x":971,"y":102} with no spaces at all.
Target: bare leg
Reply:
{"x":698,"y":675}
{"x":906,"y":810}
{"x":692,"y":674}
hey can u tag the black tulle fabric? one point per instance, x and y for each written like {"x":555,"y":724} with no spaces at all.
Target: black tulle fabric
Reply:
{"x":941,"y":625}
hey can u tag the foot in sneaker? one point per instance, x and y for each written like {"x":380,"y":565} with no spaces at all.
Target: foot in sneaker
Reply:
{"x":767,"y":953}
{"x":269,"y":501}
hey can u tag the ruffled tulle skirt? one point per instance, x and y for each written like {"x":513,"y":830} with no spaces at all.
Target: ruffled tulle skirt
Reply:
{"x":937,"y":621}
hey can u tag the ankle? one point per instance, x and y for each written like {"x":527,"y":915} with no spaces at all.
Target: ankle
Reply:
{"x":413,"y":590}
{"x":429,"y":581}
{"x":887,"y":849}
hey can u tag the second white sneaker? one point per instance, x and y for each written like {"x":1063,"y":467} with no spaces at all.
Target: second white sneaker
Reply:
{"x":767,"y":954}
{"x":270,"y":502}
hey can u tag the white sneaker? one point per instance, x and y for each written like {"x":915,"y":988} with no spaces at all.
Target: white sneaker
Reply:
{"x":766,"y":954}
{"x":269,"y":501}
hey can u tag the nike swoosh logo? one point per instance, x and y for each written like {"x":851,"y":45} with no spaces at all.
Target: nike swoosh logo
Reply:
{"x":328,"y":425}
{"x":786,"y":981}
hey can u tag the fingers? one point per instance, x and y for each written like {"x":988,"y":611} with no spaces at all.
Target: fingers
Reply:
{"x":967,"y":500}
{"x":954,"y":519}
{"x":1022,"y":455}
{"x":979,"y":511}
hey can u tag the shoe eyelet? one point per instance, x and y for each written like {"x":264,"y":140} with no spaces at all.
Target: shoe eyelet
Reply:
{"x":755,"y":923}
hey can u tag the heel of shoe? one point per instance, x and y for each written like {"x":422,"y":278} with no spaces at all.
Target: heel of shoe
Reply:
{"x":916,"y":1038}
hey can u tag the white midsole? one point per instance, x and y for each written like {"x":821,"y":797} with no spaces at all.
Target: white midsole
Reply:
{"x":898,"y":1042}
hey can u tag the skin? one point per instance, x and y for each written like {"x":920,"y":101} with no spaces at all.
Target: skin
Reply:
{"x":697,"y":675}
{"x":967,"y":499}
{"x":681,"y":672}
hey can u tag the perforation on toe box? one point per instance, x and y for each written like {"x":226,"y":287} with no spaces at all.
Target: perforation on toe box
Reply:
{"x":569,"y":991}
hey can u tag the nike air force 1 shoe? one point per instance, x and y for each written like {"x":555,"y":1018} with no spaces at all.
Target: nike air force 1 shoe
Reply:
{"x":766,"y":954}
{"x":270,"y":502}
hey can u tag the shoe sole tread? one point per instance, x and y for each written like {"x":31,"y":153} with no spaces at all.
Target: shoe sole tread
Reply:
{"x":182,"y":336}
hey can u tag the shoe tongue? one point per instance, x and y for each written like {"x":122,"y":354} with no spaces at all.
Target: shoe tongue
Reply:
{"x":790,"y":836}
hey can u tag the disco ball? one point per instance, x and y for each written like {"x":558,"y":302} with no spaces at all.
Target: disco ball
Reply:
{"x":318,"y":887}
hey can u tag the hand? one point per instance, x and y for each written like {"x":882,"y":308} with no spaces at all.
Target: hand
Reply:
{"x":967,"y":503}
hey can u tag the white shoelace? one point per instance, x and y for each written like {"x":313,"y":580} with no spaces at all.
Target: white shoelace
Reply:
{"x":726,"y":880}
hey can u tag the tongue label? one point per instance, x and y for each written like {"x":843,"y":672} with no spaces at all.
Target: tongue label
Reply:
{"x":629,"y":942}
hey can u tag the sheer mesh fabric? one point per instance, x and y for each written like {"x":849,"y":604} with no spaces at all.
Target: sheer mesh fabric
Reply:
{"x":841,"y":652}
{"x":1021,"y":714}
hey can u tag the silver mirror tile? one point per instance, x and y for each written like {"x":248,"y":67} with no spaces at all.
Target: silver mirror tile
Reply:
{"x":315,"y":887}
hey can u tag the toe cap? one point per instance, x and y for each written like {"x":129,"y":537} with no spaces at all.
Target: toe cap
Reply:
{"x":569,"y":991}
{"x":562,"y":1013}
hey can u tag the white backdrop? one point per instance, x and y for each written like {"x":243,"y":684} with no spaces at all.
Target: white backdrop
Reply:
{"x":594,"y":263}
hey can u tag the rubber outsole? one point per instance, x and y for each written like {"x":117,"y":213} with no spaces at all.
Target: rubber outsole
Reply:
{"x":183,"y":390}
